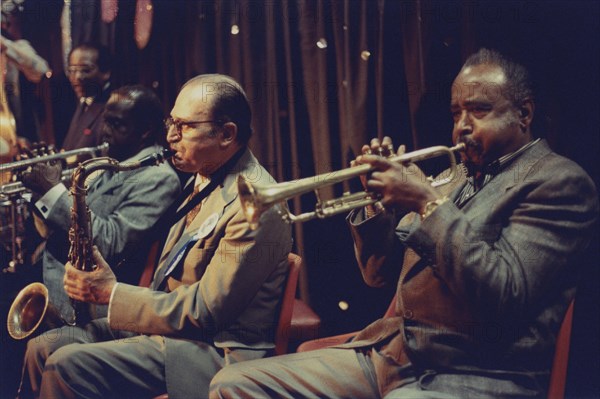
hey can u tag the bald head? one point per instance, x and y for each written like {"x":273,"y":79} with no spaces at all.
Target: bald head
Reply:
{"x":226,"y":98}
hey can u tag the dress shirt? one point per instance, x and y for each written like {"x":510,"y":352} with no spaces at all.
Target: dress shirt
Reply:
{"x":45,"y":204}
{"x":476,"y":183}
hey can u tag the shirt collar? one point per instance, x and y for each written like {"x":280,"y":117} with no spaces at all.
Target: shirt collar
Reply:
{"x":87,"y":100}
{"x":200,"y":182}
{"x":494,"y":167}
{"x":90,"y":100}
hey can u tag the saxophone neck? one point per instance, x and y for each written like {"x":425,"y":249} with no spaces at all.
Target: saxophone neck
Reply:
{"x":156,"y":158}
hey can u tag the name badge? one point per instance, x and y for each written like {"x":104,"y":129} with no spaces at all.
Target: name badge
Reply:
{"x":204,"y":230}
{"x":207,"y":226}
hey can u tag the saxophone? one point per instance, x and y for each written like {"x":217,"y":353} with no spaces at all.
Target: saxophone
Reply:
{"x":31,"y":308}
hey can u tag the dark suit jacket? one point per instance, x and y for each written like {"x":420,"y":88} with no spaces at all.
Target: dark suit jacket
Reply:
{"x":85,"y":127}
{"x":482,"y":289}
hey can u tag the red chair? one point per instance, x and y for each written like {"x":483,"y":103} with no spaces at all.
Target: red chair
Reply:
{"x":151,"y":259}
{"x":306,"y":324}
{"x":282,"y":333}
{"x":558,"y":376}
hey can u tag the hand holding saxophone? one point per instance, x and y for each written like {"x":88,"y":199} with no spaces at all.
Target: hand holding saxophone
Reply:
{"x":399,"y":185}
{"x":90,"y":286}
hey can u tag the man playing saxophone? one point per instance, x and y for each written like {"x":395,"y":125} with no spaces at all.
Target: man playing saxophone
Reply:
{"x":123,"y":205}
{"x":216,"y":290}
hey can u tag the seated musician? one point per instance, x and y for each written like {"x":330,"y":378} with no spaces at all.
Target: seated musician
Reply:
{"x":484,"y":274}
{"x":123,"y":205}
{"x":89,"y":73}
{"x":215,"y":293}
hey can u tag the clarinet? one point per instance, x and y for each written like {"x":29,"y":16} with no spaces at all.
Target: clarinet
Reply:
{"x":80,"y":232}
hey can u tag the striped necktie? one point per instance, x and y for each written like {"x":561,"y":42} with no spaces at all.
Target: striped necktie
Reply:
{"x":191,"y":215}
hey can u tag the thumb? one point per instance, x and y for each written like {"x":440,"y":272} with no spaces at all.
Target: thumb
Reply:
{"x":401,"y":150}
{"x":98,"y":259}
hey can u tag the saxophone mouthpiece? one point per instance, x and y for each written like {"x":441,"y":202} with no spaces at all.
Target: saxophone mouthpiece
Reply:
{"x":156,"y":158}
{"x":167,"y":153}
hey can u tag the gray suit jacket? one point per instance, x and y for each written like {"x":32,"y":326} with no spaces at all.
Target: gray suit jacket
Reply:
{"x":482,"y":289}
{"x":124,"y":206}
{"x":224,"y":292}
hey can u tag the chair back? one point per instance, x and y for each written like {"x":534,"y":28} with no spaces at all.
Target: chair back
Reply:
{"x":151,"y":259}
{"x":558,"y":376}
{"x":391,"y":310}
{"x":282,"y":333}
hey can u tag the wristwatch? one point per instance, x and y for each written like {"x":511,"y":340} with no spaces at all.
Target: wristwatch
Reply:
{"x":431,"y":205}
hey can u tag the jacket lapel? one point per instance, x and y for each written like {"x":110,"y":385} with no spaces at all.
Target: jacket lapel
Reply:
{"x":223,"y":195}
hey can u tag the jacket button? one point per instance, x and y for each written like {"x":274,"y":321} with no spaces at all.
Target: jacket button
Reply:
{"x":408,"y":314}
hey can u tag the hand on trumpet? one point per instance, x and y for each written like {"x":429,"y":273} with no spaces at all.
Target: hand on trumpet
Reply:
{"x":42,"y":176}
{"x":91,"y":287}
{"x":404,"y":187}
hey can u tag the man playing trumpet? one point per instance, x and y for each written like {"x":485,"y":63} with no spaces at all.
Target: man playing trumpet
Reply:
{"x":484,"y":273}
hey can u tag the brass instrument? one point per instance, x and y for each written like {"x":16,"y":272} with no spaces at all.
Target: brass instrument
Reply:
{"x":14,"y":197}
{"x":8,"y":126}
{"x":31,"y":305}
{"x":256,"y":199}
{"x":25,"y":163}
{"x":17,"y":187}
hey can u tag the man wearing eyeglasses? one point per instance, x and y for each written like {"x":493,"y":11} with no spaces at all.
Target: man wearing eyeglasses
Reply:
{"x":215,"y":291}
{"x":89,"y":73}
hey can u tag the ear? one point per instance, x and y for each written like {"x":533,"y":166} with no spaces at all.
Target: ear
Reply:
{"x":228,"y":134}
{"x":526,"y":110}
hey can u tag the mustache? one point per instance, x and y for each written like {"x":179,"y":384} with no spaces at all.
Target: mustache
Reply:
{"x":470,"y":144}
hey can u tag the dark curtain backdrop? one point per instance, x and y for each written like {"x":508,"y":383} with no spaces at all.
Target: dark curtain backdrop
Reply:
{"x":324,"y":77}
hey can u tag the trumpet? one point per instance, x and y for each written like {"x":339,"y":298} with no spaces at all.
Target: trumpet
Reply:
{"x":17,"y":187}
{"x":256,"y":199}
{"x":25,"y":163}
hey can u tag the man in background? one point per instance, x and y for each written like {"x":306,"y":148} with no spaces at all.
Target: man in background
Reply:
{"x":89,"y":72}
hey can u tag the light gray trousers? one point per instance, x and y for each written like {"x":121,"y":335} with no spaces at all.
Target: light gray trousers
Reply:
{"x":327,"y":373}
{"x":97,"y":362}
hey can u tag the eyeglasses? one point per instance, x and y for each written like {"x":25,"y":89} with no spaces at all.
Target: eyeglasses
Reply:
{"x":182,"y":126}
{"x":84,"y":70}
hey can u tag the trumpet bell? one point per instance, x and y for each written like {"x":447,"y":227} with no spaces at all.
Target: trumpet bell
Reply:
{"x":250,"y":202}
{"x":30,"y":310}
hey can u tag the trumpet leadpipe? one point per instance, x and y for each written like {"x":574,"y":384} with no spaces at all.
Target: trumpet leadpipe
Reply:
{"x":25,"y":163}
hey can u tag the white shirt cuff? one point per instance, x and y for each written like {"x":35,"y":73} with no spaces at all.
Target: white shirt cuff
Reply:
{"x":110,"y":301}
{"x":45,"y":204}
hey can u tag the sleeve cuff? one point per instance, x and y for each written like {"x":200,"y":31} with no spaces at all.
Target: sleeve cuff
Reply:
{"x":45,"y":204}
{"x":110,"y":301}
